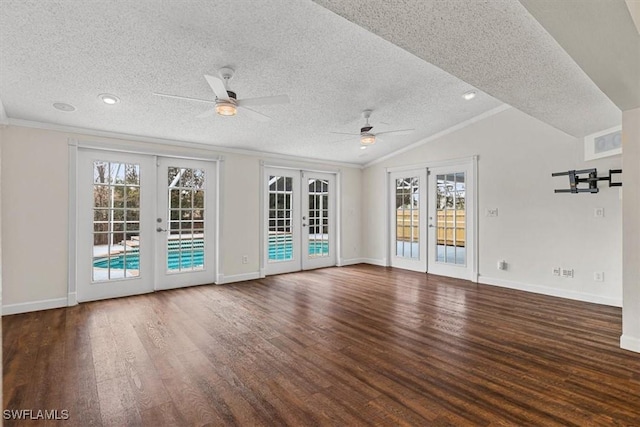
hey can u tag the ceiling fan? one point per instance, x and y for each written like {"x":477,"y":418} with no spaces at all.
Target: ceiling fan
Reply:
{"x":369,"y":138}
{"x":226,"y":102}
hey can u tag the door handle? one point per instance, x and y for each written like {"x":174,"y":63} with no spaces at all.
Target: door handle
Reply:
{"x":160,"y":229}
{"x":431,"y":225}
{"x":304,"y":225}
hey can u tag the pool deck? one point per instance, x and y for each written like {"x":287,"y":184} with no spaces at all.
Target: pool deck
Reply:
{"x":103,"y":250}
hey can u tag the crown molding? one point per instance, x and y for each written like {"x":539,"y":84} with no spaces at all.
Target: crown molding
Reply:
{"x":4,"y":119}
{"x":191,"y":145}
{"x":440,"y":134}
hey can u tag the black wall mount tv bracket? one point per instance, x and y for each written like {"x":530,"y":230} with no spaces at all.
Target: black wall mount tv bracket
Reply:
{"x":591,"y":179}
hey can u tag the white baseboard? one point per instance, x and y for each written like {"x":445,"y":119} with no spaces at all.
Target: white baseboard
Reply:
{"x":352,"y":261}
{"x":372,"y":261}
{"x":26,"y":307}
{"x":554,"y":292}
{"x":72,"y":299}
{"x":630,"y":343}
{"x":239,"y":278}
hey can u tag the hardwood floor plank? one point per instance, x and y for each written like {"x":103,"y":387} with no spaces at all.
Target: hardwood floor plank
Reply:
{"x":117,"y":403}
{"x":163,"y":415}
{"x":358,"y":345}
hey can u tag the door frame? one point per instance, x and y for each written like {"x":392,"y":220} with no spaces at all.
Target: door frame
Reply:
{"x":151,"y":148}
{"x":263,"y":207}
{"x":472,"y":219}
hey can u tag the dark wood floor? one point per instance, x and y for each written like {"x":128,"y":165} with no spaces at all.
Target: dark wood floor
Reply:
{"x":340,"y":346}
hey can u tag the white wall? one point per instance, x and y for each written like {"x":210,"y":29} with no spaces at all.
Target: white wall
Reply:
{"x":34,"y":185}
{"x":34,"y":216}
{"x":351,"y":244}
{"x":536,"y":229}
{"x":631,"y":226}
{"x":1,"y":365}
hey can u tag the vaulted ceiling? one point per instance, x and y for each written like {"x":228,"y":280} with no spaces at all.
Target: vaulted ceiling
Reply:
{"x":408,"y":61}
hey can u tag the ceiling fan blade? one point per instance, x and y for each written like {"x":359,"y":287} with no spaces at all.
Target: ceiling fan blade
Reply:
{"x":396,"y":132}
{"x":265,"y":100}
{"x":208,"y":113}
{"x":218,"y":87}
{"x":166,"y":95}
{"x":345,"y":133}
{"x":254,"y":114}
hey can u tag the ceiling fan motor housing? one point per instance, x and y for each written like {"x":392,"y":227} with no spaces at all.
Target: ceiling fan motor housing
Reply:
{"x":366,"y":129}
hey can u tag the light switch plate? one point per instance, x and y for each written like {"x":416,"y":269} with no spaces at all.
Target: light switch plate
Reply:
{"x":491,"y":212}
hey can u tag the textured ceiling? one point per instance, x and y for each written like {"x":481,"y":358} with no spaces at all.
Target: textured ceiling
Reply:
{"x":602,"y":38}
{"x":497,"y":46}
{"x":72,"y":51}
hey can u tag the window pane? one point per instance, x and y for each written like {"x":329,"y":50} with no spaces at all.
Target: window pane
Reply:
{"x":407,"y":217}
{"x":116,"y":243}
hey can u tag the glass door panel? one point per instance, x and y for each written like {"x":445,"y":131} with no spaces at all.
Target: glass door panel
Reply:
{"x":115,"y":214}
{"x":408,"y":232}
{"x":407,"y":216}
{"x":280,"y":225}
{"x":186,"y":213}
{"x":318,"y":213}
{"x":318,"y":241}
{"x":449,"y":221}
{"x":282,"y":221}
{"x":450,"y":245}
{"x":185,"y":223}
{"x":116,"y":223}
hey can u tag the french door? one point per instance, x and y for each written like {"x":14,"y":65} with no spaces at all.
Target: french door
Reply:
{"x":408,"y":231}
{"x":318,"y":220}
{"x":299,"y":220}
{"x":144,"y":223}
{"x":451,"y":221}
{"x":432,"y":220}
{"x":185,"y":248}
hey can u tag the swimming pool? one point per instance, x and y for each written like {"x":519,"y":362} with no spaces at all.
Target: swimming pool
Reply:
{"x":177,"y":259}
{"x":194,"y":258}
{"x":284,"y":251}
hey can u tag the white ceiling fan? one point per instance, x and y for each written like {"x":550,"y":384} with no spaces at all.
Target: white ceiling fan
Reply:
{"x":367,"y":137}
{"x":226,"y":102}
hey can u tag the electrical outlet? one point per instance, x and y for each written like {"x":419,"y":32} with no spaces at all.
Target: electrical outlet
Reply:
{"x":245,"y":259}
{"x":557,"y":271}
{"x":598,"y":212}
{"x":567,"y":273}
{"x":502,"y":265}
{"x":598,"y":276}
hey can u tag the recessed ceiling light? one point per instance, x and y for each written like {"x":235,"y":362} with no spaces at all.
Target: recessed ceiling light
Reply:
{"x":109,"y":99}
{"x":363,"y":147}
{"x":469,"y":95}
{"x":64,"y":107}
